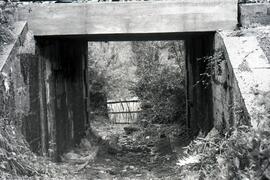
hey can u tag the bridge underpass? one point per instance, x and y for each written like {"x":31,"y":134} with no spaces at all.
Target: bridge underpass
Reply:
{"x":62,"y":32}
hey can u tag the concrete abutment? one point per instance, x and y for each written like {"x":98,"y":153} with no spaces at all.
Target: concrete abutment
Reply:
{"x":63,"y":93}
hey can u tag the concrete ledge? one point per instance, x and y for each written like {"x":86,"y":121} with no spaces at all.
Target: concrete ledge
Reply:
{"x":254,"y":13}
{"x":246,"y":50}
{"x":20,"y":30}
{"x":130,"y":18}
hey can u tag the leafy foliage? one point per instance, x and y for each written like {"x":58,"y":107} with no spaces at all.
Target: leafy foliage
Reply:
{"x":161,"y":80}
{"x":213,"y":67}
{"x":7,"y":11}
{"x":110,"y":73}
{"x":110,"y":69}
{"x":153,"y":71}
{"x":241,"y":154}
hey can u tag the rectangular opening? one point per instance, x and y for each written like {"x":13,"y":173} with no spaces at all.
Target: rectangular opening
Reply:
{"x":72,"y":70}
{"x":137,"y":82}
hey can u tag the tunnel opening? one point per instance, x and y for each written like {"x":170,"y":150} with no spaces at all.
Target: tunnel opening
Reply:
{"x":138,"y":95}
{"x":148,"y":75}
{"x":64,"y":99}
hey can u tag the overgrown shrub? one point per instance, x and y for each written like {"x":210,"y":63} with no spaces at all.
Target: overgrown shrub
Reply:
{"x":14,"y":150}
{"x":161,"y":80}
{"x":7,"y":11}
{"x":241,"y":154}
{"x":110,"y":73}
{"x":110,"y":61}
{"x":97,"y":93}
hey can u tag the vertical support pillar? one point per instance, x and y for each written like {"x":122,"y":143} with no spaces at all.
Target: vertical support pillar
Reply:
{"x":199,"y":96}
{"x":62,"y":94}
{"x":71,"y":109}
{"x":42,"y":101}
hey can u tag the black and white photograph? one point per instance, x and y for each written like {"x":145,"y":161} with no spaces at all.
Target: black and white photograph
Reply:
{"x":134,"y":89}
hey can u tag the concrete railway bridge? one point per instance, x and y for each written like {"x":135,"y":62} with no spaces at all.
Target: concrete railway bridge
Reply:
{"x":52,"y":65}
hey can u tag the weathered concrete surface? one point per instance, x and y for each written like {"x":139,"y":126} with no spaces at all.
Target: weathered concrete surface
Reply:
{"x":229,"y":108}
{"x":20,"y":30}
{"x":13,"y":102}
{"x":252,"y":71}
{"x":29,"y":74}
{"x":130,"y":18}
{"x":219,"y":102}
{"x":254,"y":14}
{"x":19,"y":85}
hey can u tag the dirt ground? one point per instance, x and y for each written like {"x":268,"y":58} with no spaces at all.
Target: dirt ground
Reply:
{"x":147,"y":153}
{"x":118,"y":152}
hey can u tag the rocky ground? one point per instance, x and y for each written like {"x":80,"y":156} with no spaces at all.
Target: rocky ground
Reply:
{"x":134,"y":152}
{"x":112,"y":151}
{"x":139,"y":154}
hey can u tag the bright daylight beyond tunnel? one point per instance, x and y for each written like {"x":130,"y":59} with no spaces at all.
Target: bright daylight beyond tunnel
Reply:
{"x":138,"y":106}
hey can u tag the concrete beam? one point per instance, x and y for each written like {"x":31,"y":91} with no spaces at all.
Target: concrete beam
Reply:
{"x":130,"y":18}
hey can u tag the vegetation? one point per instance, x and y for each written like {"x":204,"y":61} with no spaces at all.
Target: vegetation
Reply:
{"x":157,"y":78}
{"x":111,"y":74}
{"x":7,"y":11}
{"x":161,"y":84}
{"x":152,"y":71}
{"x":242,"y":154}
{"x":110,"y":69}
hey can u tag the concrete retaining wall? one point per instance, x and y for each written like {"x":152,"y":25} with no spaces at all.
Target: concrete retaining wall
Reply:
{"x":18,"y":85}
{"x":229,"y":108}
{"x":12,"y":88}
{"x":252,"y":71}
